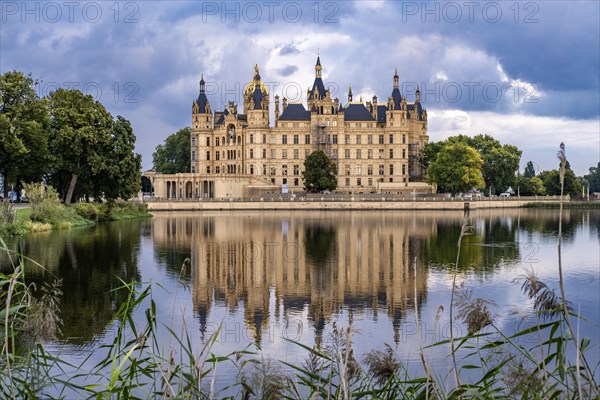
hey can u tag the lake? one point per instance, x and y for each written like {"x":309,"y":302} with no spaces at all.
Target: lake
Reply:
{"x":263,"y":277}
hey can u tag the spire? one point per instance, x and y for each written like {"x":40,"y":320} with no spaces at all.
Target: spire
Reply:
{"x":318,"y":68}
{"x":350,"y":94}
{"x":396,"y":80}
{"x":202,"y":84}
{"x":417,"y":95}
{"x":256,"y":74}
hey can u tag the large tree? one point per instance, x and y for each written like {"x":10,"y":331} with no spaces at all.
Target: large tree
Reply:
{"x":81,"y":133}
{"x":529,"y":170}
{"x":551,"y":181}
{"x":320,"y":173}
{"x":500,"y":162}
{"x":456,"y":168}
{"x":173,"y":156}
{"x":593,"y":178}
{"x":119,"y":173}
{"x":24,"y":126}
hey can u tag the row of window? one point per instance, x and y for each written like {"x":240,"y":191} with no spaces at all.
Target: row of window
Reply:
{"x":329,"y":139}
{"x":272,"y":169}
{"x":233,"y":155}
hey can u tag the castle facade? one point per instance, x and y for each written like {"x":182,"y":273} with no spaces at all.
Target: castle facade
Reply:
{"x":237,"y":153}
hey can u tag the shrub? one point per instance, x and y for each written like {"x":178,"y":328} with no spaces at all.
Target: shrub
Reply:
{"x":87,"y":211}
{"x":45,"y":203}
{"x":8,"y":213}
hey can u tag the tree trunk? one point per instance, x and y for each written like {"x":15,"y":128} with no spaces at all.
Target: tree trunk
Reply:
{"x":71,"y":189}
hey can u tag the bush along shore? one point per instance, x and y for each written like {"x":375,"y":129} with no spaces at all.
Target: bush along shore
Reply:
{"x":46,"y":213}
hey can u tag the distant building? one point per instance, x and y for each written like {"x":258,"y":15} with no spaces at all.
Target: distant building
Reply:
{"x":237,"y":153}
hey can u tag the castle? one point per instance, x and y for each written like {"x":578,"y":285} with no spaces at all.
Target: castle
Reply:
{"x":239,"y":154}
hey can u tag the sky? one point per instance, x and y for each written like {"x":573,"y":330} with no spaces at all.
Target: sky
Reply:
{"x":527,"y":73}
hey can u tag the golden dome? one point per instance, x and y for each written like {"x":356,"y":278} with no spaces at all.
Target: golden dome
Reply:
{"x":251,"y":87}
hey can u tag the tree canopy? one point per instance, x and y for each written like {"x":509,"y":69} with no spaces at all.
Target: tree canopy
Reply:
{"x":499,"y":162}
{"x":593,"y":178}
{"x":456,"y":168}
{"x":24,"y":125}
{"x":173,"y":156}
{"x":320,"y":173}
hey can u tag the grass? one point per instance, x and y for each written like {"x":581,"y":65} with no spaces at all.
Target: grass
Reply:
{"x":51,"y":215}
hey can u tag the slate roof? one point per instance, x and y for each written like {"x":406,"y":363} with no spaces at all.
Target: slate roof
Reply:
{"x":318,"y":84}
{"x":357,"y":112}
{"x":295,"y":112}
{"x":202,"y":100}
{"x":397,"y":98}
{"x":381,"y":116}
{"x":411,"y":107}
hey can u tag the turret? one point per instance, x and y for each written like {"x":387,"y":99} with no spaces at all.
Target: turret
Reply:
{"x":350,"y":94}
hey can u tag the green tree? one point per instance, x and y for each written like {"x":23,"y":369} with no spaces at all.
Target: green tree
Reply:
{"x":319,"y":172}
{"x":121,"y":171}
{"x":457,"y":168}
{"x":173,"y":156}
{"x":80,"y":136}
{"x":24,"y":125}
{"x":531,"y":186}
{"x":529,"y":170}
{"x":551,"y":181}
{"x":593,"y":178}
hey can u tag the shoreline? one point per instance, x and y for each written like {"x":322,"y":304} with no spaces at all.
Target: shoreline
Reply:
{"x":322,"y":203}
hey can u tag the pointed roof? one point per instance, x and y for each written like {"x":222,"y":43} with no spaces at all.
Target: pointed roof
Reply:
{"x":318,"y":61}
{"x":202,"y":99}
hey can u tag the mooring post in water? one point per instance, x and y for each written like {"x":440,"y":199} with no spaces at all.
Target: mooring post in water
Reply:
{"x":467,"y":209}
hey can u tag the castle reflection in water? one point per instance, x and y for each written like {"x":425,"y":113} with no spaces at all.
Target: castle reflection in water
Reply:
{"x":322,"y":263}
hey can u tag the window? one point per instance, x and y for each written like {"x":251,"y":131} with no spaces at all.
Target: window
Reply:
{"x":284,"y":154}
{"x":370,"y":154}
{"x":296,"y":169}
{"x":403,"y":169}
{"x":347,"y":169}
{"x":272,"y":154}
{"x":347,"y":139}
{"x":391,"y":169}
{"x":284,"y":170}
{"x":381,"y":170}
{"x":358,"y":182}
{"x":403,"y":139}
{"x":403,"y":153}
{"x":391,"y":153}
{"x":357,"y":139}
{"x":370,"y":139}
{"x":284,"y":181}
{"x":193,"y":169}
{"x":208,"y":155}
{"x":264,"y":138}
{"x":380,"y":139}
{"x":334,"y":138}
{"x":251,"y":138}
{"x":370,"y":182}
{"x":284,"y":139}
{"x":217,"y":142}
{"x":295,"y":139}
{"x":272,"y":170}
{"x":370,"y":169}
{"x":264,"y":153}
{"x":358,"y":154}
{"x":251,"y":169}
{"x":358,"y":169}
{"x":346,"y":154}
{"x":251,"y":153}
{"x":295,"y":181}
{"x":347,"y":181}
{"x":193,"y":155}
{"x":380,"y":153}
{"x":194,"y":141}
{"x":272,"y":139}
{"x":306,"y":139}
{"x":264,"y":169}
{"x":391,"y":138}
{"x":296,"y":153}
